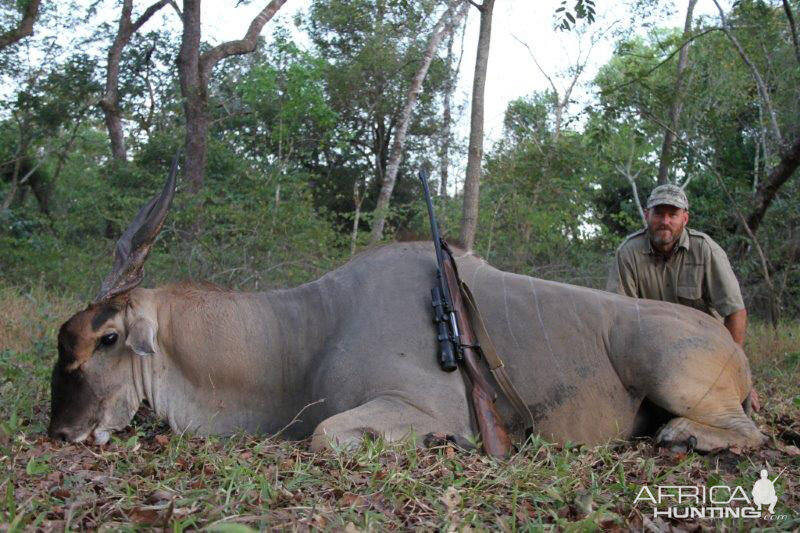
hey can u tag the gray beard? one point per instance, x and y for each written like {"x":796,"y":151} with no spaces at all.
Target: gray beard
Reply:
{"x":659,"y":241}
{"x":671,"y":242}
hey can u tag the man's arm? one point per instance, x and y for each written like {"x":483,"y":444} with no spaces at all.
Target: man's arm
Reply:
{"x":736,"y":323}
{"x":621,"y":278}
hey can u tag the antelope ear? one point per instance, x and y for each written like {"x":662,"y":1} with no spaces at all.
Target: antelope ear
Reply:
{"x":142,"y":336}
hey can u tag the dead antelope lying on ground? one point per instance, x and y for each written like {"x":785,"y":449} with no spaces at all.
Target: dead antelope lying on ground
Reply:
{"x":590,"y":365}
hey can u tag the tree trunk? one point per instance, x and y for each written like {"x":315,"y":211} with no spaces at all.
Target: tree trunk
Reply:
{"x":787,"y":9}
{"x":25,"y":26}
{"x":447,"y":120}
{"x":42,"y":190}
{"x":194,"y":71}
{"x":110,"y":101}
{"x":447,"y":117}
{"x":768,"y":188}
{"x":12,"y":191}
{"x":358,"y":199}
{"x":194,"y":97}
{"x":444,"y":24}
{"x":469,"y":214}
{"x":677,"y":99}
{"x":631,"y":177}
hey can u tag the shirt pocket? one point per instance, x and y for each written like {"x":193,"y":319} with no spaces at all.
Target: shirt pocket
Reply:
{"x":690,"y":285}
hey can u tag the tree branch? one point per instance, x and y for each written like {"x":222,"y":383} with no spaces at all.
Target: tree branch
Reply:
{"x":788,"y":10}
{"x":176,"y":8}
{"x":110,"y":100}
{"x":149,"y":12}
{"x":686,"y":181}
{"x":244,"y":45}
{"x":530,"y":52}
{"x":768,"y":188}
{"x":449,"y":19}
{"x":25,"y":26}
{"x":561,"y":101}
{"x":626,"y":171}
{"x":760,"y":85}
{"x":662,"y":62}
{"x":677,"y":100}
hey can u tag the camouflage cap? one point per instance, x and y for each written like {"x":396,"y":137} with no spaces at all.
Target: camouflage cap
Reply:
{"x":669,"y":195}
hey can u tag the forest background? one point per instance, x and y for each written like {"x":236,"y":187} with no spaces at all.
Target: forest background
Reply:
{"x":299,"y":137}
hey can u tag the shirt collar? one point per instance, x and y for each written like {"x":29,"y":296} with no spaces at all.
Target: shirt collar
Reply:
{"x":683,"y":242}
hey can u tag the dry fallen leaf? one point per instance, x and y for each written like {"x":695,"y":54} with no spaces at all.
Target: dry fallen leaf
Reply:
{"x":162,"y":440}
{"x":788,"y":449}
{"x":143,"y":516}
{"x":351,"y":528}
{"x":320,"y":521}
{"x":359,"y":478}
{"x":502,"y":524}
{"x":349,"y":499}
{"x":61,"y":493}
{"x":159,"y":496}
{"x":450,"y":498}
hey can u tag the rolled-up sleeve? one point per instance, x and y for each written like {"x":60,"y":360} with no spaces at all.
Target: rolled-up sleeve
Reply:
{"x":723,"y":289}
{"x":621,"y":276}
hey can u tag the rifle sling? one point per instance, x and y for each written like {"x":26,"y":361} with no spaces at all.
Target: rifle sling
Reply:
{"x":492,"y":358}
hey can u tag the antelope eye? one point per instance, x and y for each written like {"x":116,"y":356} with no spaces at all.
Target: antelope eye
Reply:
{"x":109,"y":339}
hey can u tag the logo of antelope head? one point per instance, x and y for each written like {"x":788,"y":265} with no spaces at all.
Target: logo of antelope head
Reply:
{"x":93,"y":390}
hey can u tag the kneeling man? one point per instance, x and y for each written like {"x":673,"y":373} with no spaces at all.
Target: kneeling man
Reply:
{"x":670,"y":262}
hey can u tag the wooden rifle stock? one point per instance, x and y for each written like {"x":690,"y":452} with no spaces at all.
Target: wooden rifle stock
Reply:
{"x":496,"y":441}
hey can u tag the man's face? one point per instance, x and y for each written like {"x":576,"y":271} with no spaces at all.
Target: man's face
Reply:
{"x":665,"y":224}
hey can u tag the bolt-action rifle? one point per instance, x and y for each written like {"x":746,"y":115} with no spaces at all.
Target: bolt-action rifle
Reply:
{"x":457,"y":341}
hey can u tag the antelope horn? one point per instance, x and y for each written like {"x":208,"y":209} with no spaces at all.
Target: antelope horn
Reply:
{"x":135,"y":243}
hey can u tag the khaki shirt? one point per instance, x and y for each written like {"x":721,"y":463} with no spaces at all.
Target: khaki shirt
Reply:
{"x":697,"y":274}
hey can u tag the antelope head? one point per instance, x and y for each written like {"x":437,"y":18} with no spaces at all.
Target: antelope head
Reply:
{"x":92,"y":384}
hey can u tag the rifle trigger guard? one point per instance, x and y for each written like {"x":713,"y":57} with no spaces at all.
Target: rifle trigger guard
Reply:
{"x":476,"y":347}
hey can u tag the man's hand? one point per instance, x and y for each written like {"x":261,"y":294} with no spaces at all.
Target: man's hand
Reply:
{"x":754,"y":403}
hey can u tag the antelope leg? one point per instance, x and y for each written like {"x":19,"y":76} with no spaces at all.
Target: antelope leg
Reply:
{"x":390,"y":417}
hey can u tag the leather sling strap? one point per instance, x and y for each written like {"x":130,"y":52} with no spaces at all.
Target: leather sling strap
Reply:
{"x":495,"y":363}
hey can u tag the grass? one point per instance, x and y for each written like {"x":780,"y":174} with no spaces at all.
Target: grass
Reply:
{"x":150,"y":478}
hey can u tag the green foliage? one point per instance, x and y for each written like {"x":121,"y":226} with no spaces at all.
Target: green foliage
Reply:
{"x":536,"y":199}
{"x":371,"y":51}
{"x":299,"y":135}
{"x":286,"y":241}
{"x":289,"y":103}
{"x":581,"y":9}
